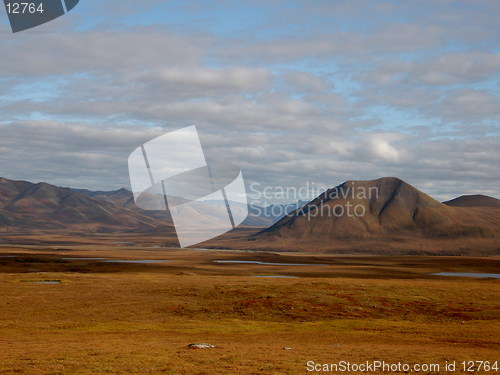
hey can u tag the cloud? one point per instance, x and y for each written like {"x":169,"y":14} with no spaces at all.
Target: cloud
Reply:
{"x":448,"y":69}
{"x":235,"y":79}
{"x":390,"y":38}
{"x":302,"y":82}
{"x":456,"y":68}
{"x":95,"y":156}
{"x":45,"y":54}
{"x":470,"y":105}
{"x":384,"y":150}
{"x":291,"y":92}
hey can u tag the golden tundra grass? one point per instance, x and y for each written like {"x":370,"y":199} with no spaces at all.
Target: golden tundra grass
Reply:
{"x":126,"y":319}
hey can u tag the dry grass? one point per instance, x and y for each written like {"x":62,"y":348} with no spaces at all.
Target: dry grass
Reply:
{"x":138,"y":319}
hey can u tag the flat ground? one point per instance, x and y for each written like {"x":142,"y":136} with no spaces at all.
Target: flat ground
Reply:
{"x":127,"y":318}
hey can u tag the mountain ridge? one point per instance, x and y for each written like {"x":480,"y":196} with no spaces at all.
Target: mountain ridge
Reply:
{"x":399,"y":212}
{"x":43,"y":206}
{"x":475,"y":200}
{"x":397,"y":218}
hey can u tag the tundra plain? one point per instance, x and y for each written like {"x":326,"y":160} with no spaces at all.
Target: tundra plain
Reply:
{"x":92,"y":316}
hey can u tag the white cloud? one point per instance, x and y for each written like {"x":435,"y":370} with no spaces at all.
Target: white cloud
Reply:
{"x":390,"y":38}
{"x":237,"y":78}
{"x":470,"y":105}
{"x":384,"y":150}
{"x":305,"y":82}
{"x":42,"y":54}
{"x":446,"y":69}
{"x":314,"y":93}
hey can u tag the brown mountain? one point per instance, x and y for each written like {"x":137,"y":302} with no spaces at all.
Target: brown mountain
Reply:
{"x":474,"y":201}
{"x":258,"y":216}
{"x":44,"y":206}
{"x":382,"y":214}
{"x":125,"y":199}
{"x":121,"y":197}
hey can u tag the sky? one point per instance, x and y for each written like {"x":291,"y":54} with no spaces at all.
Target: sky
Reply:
{"x":294,"y":93}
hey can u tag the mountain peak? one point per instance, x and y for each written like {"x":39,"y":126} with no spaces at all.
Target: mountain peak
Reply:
{"x":41,"y":205}
{"x":381,"y":209}
{"x":476,"y":200}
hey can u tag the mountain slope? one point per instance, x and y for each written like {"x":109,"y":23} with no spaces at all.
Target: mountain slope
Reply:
{"x":121,"y":197}
{"x":258,"y":216}
{"x":44,"y":206}
{"x":383,"y":210}
{"x":474,"y":201}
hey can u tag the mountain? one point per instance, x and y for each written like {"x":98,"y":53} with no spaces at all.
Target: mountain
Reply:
{"x":121,"y":197}
{"x":474,"y":201}
{"x":44,"y":206}
{"x":258,"y":216}
{"x":125,"y":199}
{"x":382,"y":212}
{"x":383,"y":216}
{"x":274,"y":212}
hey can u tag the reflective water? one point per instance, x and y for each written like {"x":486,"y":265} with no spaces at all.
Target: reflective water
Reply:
{"x":469,"y":274}
{"x":267,"y":263}
{"x":138,"y":261}
{"x":277,"y":276}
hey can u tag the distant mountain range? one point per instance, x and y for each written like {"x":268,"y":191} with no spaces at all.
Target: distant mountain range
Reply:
{"x":384,"y":213}
{"x":258,"y":216}
{"x":43,"y":206}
